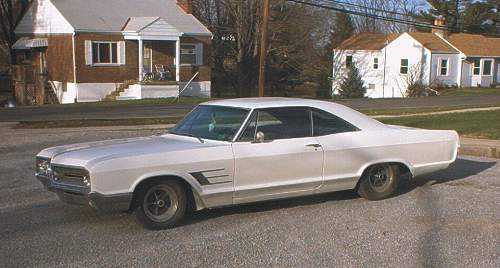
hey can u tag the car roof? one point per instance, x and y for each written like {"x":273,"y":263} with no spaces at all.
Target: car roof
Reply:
{"x":352,"y":116}
{"x":263,"y":102}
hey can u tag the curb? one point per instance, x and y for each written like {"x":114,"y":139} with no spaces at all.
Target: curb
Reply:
{"x":480,"y":151}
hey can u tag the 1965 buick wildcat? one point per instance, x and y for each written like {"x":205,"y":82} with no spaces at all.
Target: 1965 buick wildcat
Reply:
{"x":244,"y":150}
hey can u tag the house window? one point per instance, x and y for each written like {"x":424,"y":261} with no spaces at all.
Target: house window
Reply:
{"x":104,"y":52}
{"x":191,"y":54}
{"x":375,"y":63}
{"x":476,"y":67}
{"x":348,"y":61}
{"x":443,"y":67}
{"x":487,"y":64}
{"x":404,"y":66}
{"x":371,"y":86}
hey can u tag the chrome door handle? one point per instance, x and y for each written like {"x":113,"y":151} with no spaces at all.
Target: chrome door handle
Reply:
{"x":315,"y":145}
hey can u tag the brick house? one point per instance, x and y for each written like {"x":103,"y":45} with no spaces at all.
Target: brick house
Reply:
{"x":90,"y":50}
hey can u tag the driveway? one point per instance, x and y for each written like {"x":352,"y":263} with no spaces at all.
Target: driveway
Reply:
{"x":61,"y":112}
{"x":450,"y":218}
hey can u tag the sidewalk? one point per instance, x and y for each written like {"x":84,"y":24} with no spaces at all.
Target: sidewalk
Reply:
{"x":479,"y":147}
{"x":438,"y":112}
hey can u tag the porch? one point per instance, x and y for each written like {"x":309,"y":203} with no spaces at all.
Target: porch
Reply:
{"x":163,"y":61}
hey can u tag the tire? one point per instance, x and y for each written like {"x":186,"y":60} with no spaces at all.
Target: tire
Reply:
{"x":161,"y":205}
{"x":379,"y":182}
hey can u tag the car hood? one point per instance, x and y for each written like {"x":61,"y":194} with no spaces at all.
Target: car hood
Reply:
{"x":87,"y":154}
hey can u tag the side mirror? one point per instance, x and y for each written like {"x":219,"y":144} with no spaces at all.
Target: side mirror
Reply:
{"x":259,"y":137}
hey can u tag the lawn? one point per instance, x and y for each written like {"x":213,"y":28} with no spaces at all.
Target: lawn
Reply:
{"x":405,"y":111}
{"x":470,"y":91}
{"x":485,"y":124}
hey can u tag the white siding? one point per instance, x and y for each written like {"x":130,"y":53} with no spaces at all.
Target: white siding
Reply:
{"x":160,"y":27}
{"x":404,"y":47}
{"x":452,"y":78}
{"x":43,"y":18}
{"x":497,"y":81}
{"x":466,"y":74}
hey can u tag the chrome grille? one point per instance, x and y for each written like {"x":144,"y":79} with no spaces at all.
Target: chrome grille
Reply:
{"x":70,"y":178}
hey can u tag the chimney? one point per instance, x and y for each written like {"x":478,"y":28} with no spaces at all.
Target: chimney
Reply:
{"x":442,"y":31}
{"x":186,"y":5}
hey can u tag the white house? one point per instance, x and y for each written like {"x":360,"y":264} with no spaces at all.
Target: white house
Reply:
{"x":388,"y":63}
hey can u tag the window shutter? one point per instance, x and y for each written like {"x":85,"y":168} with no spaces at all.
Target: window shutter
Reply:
{"x":121,"y":53}
{"x":199,"y":54}
{"x":88,"y":52}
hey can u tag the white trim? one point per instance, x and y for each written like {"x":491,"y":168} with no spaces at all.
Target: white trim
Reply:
{"x":376,"y":63}
{"x":177,"y":60}
{"x":473,"y":67}
{"x":46,"y":18}
{"x":110,"y":63}
{"x":440,"y":66}
{"x":401,"y":66}
{"x":150,"y":37}
{"x":198,"y":54}
{"x":105,"y":65}
{"x":492,"y":67}
{"x":141,"y":66}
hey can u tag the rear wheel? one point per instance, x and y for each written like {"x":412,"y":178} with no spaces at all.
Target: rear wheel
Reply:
{"x":162,"y":205}
{"x":379,"y":182}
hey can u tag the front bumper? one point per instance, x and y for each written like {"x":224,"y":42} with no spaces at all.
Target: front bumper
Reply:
{"x":100,"y":202}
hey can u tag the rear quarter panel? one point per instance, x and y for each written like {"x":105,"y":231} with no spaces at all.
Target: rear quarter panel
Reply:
{"x":347,"y":155}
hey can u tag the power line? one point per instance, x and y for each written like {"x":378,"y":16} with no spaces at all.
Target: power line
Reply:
{"x":327,"y":5}
{"x":457,"y":20}
{"x":365,"y":14}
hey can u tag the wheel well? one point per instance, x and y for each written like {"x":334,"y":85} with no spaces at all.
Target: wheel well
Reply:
{"x":144,"y":183}
{"x":403,"y":169}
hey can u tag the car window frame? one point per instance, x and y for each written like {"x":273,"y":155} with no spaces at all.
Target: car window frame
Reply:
{"x":238,"y":132}
{"x":256,"y":110}
{"x":356,"y":129}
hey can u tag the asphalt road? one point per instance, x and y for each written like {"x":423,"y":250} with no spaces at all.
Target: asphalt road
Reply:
{"x":450,"y":218}
{"x":61,"y":112}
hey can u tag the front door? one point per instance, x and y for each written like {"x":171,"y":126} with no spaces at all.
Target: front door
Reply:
{"x":288,"y":162}
{"x":476,"y":73}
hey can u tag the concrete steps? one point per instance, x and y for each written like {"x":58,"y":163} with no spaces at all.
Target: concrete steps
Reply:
{"x":115,"y":94}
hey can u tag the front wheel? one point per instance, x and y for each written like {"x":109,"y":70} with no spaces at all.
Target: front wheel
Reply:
{"x":162,"y":205}
{"x":379,"y":182}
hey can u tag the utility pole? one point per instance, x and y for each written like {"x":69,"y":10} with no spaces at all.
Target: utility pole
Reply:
{"x":263,"y":48}
{"x":457,"y":16}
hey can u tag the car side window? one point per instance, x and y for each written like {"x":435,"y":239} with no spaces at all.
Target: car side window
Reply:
{"x":325,"y":123}
{"x":284,"y":123}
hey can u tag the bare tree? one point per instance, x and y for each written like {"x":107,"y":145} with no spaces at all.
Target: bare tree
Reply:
{"x":11,"y":13}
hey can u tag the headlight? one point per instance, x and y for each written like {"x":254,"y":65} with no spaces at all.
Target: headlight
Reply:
{"x":42,"y":166}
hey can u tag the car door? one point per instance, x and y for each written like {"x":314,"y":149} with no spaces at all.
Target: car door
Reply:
{"x":287,"y":162}
{"x":340,"y":141}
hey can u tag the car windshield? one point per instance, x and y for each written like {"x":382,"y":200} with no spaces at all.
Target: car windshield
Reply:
{"x":211,"y":122}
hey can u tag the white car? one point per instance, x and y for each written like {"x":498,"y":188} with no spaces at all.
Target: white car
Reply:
{"x":229,"y":152}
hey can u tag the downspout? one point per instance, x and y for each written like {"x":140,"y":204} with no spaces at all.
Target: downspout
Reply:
{"x":74,"y":65}
{"x":385,"y":63}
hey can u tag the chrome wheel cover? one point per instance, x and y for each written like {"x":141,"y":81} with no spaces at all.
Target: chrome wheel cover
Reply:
{"x":160,"y":203}
{"x":381,"y":177}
